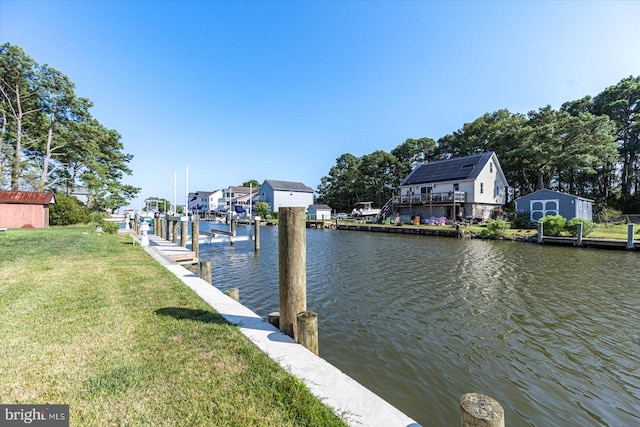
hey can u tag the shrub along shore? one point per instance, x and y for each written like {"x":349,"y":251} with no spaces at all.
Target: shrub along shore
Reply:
{"x":92,"y":321}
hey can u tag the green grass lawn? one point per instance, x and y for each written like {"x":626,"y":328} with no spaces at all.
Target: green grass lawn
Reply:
{"x":93,"y":321}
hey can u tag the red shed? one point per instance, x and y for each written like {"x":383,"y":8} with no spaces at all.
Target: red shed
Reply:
{"x":25,"y":209}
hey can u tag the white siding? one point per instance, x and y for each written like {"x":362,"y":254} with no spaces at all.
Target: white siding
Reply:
{"x":214,"y":198}
{"x":280,"y":198}
{"x":286,"y":199}
{"x":492,"y":184}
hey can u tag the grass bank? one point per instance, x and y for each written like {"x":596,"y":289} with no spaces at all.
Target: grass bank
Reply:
{"x":92,"y":321}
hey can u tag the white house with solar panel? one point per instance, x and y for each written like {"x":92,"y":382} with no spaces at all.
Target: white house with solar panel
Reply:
{"x":468,"y":187}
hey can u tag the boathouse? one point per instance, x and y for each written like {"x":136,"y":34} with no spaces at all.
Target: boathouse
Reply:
{"x":285,"y":194}
{"x":25,"y":209}
{"x":318,"y":212}
{"x":546,"y":202}
{"x":468,"y":187}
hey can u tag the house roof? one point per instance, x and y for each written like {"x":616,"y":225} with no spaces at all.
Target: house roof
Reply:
{"x":458,"y":169}
{"x":289,"y":186}
{"x":546,"y":190}
{"x":238,"y":189}
{"x":26,"y":197}
{"x":321,"y":207}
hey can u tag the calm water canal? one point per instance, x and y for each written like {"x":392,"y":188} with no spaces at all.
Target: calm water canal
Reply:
{"x":550,"y":332}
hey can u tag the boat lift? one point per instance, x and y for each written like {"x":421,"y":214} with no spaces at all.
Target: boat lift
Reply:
{"x":220,"y":236}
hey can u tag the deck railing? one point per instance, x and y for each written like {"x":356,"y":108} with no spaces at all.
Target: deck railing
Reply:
{"x":444,"y":197}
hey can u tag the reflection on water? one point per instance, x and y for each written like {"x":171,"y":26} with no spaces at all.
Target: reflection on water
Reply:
{"x":550,"y":332}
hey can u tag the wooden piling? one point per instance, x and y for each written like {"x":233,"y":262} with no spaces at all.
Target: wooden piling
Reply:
{"x":195,"y":237}
{"x":136,"y":222}
{"x":205,"y":270}
{"x":256,"y":226}
{"x":165,"y":230}
{"x":274,"y":319}
{"x":630,"y":236}
{"x":233,"y":231}
{"x":307,"y":325}
{"x":174,"y":231}
{"x":479,"y":410}
{"x":540,"y":231}
{"x":579,"y":234}
{"x":292,"y":263}
{"x":233,"y":293}
{"x":184,"y":231}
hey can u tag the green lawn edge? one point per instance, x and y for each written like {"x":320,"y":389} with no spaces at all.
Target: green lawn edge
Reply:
{"x":92,"y":321}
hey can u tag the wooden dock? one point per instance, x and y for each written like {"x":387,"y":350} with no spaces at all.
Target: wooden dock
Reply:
{"x":590,"y":243}
{"x":617,"y":244}
{"x":172,"y":251}
{"x":423,"y":231}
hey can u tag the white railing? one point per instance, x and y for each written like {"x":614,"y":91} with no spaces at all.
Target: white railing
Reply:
{"x":449,"y":196}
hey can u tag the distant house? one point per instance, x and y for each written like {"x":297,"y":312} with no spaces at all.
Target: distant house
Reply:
{"x":204,"y":201}
{"x":236,"y":196}
{"x":285,"y":194}
{"x":25,"y":209}
{"x":319,"y":212}
{"x":465,"y":187}
{"x":546,"y":202}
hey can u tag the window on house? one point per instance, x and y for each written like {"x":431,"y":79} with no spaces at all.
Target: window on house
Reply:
{"x":491,"y":167}
{"x":456,"y":187}
{"x":481,"y":187}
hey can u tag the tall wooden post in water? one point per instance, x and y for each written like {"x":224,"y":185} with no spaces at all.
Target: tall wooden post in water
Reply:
{"x":233,"y":231}
{"x":540,"y":232}
{"x":184,"y":231}
{"x":195,"y":237}
{"x":174,"y":232}
{"x":256,"y":225}
{"x":292,"y":263}
{"x":579,"y":234}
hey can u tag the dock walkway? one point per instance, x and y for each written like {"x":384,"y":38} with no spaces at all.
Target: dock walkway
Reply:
{"x":357,"y":405}
{"x":172,"y":251}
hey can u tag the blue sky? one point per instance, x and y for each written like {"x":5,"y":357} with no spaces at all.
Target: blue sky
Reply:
{"x":280,"y":89}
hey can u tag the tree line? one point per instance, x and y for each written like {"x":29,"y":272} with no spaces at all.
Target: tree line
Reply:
{"x":49,"y":141}
{"x":588,"y":147}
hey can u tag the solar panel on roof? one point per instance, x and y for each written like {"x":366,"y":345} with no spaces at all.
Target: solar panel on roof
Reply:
{"x":446,"y":170}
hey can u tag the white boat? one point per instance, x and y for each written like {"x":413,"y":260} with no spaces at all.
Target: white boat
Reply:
{"x":364,"y":210}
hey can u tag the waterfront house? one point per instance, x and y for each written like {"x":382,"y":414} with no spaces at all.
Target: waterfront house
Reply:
{"x":285,"y":194}
{"x":236,"y":196}
{"x":317,"y":212}
{"x":468,"y":187}
{"x":204,"y":201}
{"x":546,"y":202}
{"x":25,"y":209}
